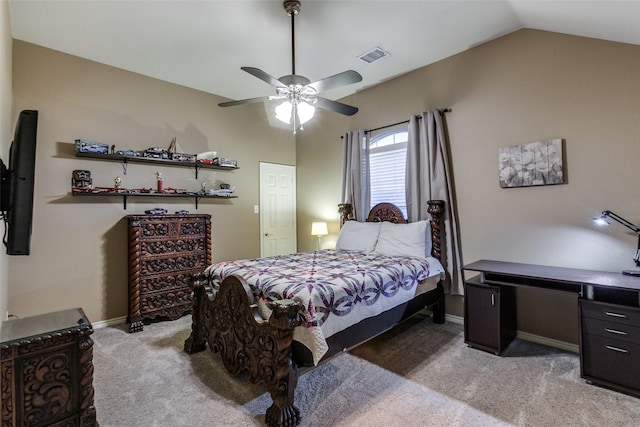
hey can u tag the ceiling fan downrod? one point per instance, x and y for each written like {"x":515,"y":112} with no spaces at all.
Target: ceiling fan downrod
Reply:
{"x":292,"y":7}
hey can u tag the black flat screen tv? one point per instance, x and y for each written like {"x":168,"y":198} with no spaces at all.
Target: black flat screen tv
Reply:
{"x":17,"y":185}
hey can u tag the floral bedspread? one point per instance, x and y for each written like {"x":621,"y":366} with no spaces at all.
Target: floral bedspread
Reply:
{"x":332,"y":285}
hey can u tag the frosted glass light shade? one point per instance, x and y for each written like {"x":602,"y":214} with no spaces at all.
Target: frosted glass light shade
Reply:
{"x":283,"y":112}
{"x":305,"y":112}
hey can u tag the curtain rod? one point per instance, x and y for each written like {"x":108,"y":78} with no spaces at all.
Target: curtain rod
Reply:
{"x":441,"y":111}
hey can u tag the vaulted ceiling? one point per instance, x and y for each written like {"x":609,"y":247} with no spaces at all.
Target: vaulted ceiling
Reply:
{"x":203,"y":44}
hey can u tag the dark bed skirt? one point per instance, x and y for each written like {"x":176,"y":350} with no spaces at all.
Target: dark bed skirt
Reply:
{"x":371,"y":327}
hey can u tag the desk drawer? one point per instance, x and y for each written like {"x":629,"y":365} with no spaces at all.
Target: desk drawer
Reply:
{"x":610,"y":312}
{"x":611,"y":330}
{"x":611,"y":361}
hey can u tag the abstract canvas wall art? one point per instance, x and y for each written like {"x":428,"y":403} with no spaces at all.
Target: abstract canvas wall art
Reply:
{"x":531,"y":164}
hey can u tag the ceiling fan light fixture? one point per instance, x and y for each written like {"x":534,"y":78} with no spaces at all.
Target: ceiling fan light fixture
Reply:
{"x":283,"y":112}
{"x":298,"y":96}
{"x":305,"y":112}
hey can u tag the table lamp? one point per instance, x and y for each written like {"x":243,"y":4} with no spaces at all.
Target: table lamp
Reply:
{"x":319,"y":229}
{"x":602,"y":220}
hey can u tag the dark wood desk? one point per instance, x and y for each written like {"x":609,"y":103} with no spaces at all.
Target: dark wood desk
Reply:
{"x":609,"y":310}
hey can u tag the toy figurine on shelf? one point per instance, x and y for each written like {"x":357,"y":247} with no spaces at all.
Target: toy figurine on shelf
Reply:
{"x":117,"y":182}
{"x":81,"y":179}
{"x":160,"y":183}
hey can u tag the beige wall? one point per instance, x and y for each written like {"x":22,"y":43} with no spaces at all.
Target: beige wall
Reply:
{"x":79,"y":247}
{"x":526,"y":86}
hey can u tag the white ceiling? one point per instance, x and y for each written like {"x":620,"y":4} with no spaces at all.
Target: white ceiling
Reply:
{"x":203,"y":44}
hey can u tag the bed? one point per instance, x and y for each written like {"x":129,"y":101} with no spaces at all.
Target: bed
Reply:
{"x":270,"y":316}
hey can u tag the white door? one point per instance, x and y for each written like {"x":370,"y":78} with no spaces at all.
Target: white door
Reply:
{"x":277,"y":209}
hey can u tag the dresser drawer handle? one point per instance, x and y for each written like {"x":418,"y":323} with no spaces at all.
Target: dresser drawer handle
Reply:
{"x":619,"y":350}
{"x":608,"y":313}
{"x":614,"y":331}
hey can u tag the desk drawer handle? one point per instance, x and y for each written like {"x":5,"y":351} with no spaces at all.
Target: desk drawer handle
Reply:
{"x":608,"y":313}
{"x":614,"y":331}
{"x":619,"y":350}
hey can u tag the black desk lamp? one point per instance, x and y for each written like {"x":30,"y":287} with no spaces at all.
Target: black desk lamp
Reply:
{"x":602,"y":220}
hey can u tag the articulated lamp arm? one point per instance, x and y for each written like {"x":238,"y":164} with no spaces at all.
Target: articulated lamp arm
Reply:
{"x":608,"y":214}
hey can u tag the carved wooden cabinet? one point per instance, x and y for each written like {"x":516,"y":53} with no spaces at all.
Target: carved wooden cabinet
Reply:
{"x":47,"y":370}
{"x":164,"y":252}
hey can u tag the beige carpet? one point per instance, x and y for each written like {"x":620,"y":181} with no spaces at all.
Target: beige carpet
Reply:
{"x":418,"y":374}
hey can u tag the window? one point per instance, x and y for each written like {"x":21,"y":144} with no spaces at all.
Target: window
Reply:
{"x":387,"y":167}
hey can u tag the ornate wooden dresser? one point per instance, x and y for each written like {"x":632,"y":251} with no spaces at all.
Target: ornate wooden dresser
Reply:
{"x":164,"y":252}
{"x":47,"y":370}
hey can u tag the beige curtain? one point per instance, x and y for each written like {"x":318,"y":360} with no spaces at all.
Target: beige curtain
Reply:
{"x":355,"y":172}
{"x":428,"y":177}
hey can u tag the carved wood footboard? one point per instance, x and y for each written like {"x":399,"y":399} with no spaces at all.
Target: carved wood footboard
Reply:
{"x":231,"y":326}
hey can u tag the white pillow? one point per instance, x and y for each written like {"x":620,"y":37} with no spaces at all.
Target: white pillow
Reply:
{"x":358,"y":236}
{"x":413,"y":239}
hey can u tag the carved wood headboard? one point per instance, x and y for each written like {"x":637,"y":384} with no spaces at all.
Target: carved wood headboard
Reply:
{"x":390,"y":212}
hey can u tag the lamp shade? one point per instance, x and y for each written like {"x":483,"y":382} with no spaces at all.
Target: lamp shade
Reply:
{"x":319,"y":229}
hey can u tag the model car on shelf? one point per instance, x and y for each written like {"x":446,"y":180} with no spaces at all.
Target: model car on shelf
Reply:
{"x":156,"y":211}
{"x":130,"y":153}
{"x":156,"y":153}
{"x":182,"y":157}
{"x":87,"y":146}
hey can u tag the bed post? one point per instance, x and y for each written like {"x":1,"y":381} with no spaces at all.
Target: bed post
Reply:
{"x":436,"y":210}
{"x":345,"y":210}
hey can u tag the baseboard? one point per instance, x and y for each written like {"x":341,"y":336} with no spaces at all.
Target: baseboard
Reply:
{"x":562,"y":345}
{"x":109,"y":322}
{"x":454,"y":319}
{"x":526,"y":336}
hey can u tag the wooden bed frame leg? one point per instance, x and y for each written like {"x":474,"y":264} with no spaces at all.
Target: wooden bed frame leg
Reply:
{"x":197,"y":340}
{"x":283,"y":413}
{"x":438,"y":308}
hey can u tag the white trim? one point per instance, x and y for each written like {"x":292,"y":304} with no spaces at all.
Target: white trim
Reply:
{"x":109,"y":322}
{"x":454,"y":319}
{"x":562,"y":345}
{"x":526,"y":336}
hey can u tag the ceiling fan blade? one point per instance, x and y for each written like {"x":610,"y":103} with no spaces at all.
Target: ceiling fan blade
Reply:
{"x":265,"y":77}
{"x":336,"y":106}
{"x":243,"y":101}
{"x":337,"y":80}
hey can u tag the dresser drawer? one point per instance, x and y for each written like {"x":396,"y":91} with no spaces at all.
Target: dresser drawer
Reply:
{"x":614,"y":362}
{"x":171,"y":304}
{"x":164,"y":264}
{"x":180,"y":280}
{"x":156,"y":247}
{"x":610,"y":312}
{"x":611,"y":330}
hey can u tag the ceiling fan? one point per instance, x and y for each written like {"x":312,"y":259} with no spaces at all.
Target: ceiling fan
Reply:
{"x":298,"y":93}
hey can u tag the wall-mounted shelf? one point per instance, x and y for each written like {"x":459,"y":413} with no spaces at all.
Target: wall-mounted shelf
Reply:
{"x":150,"y":160}
{"x":124,"y":196}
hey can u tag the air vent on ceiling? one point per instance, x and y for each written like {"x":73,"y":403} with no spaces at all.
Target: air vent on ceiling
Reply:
{"x":373,"y":55}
